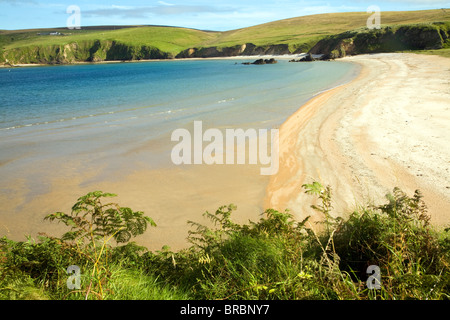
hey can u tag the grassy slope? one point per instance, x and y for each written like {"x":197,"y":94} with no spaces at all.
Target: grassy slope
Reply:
{"x":297,"y":32}
{"x":441,"y":52}
{"x":310,"y":29}
{"x":168,"y":39}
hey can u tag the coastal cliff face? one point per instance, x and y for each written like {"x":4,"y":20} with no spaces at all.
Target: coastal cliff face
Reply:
{"x":248,"y":49}
{"x":386,"y":39}
{"x":86,"y":51}
{"x":97,"y":51}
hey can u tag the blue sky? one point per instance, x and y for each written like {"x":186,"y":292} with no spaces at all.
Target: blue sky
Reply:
{"x":199,"y":14}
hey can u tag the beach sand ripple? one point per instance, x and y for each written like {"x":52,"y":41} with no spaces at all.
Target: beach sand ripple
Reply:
{"x":387,"y":128}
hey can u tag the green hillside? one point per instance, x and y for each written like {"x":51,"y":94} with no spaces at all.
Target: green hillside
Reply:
{"x":167,"y":39}
{"x":420,"y":36}
{"x":157,"y":42}
{"x":309,"y":29}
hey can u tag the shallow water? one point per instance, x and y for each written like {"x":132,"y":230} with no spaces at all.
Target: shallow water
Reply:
{"x":84,"y":125}
{"x":86,"y":108}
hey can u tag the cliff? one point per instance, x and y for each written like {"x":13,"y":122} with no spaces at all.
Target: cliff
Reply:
{"x":85,"y":51}
{"x":155,"y":43}
{"x":385,"y":39}
{"x":97,"y":50}
{"x":248,"y":49}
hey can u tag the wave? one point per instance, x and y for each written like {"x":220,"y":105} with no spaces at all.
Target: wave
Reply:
{"x":225,"y":100}
{"x":97,"y":115}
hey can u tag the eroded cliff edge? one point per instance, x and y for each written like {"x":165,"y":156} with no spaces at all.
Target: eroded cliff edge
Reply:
{"x":386,"y":39}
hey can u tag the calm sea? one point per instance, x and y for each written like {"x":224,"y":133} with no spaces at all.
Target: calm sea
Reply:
{"x":64,"y":129}
{"x":134,"y":101}
{"x":43,"y":95}
{"x":106,"y":113}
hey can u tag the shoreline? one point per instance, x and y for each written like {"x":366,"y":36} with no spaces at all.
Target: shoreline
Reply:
{"x":287,"y":183}
{"x":357,"y":138}
{"x":333,"y":138}
{"x":283,"y":57}
{"x":39,"y":182}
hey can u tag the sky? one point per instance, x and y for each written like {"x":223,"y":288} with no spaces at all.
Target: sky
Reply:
{"x":198,"y":14}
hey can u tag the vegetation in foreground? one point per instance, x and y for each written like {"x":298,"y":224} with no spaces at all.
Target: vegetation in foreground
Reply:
{"x":276,"y":257}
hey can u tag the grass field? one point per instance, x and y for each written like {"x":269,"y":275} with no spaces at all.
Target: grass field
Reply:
{"x":168,"y":39}
{"x":310,"y":29}
{"x":299,"y":33}
{"x":441,"y":52}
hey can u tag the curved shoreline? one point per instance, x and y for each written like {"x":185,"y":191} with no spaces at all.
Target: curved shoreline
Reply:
{"x":67,"y":163}
{"x":358,"y":138}
{"x":287,"y":183}
{"x":352,"y":137}
{"x":241,"y":57}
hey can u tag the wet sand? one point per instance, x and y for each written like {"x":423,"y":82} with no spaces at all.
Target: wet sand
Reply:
{"x":387,"y":128}
{"x":170,"y":196}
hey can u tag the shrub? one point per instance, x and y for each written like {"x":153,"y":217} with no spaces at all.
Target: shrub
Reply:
{"x":92,"y":224}
{"x":276,"y":257}
{"x":396,"y":237}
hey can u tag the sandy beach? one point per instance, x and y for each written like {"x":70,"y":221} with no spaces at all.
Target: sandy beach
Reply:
{"x":170,"y":196}
{"x":48,"y":162}
{"x":387,"y":128}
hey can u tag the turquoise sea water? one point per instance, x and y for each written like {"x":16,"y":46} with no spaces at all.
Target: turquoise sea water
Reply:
{"x":68,"y":129}
{"x":38,"y":96}
{"x":110,"y":117}
{"x":107,"y":104}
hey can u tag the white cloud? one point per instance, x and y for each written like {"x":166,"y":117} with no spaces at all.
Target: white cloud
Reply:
{"x":165,"y":3}
{"x":122,"y":7}
{"x":162,"y":9}
{"x":18,"y":1}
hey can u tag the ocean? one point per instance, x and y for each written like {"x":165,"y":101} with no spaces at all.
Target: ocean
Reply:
{"x":82,"y":125}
